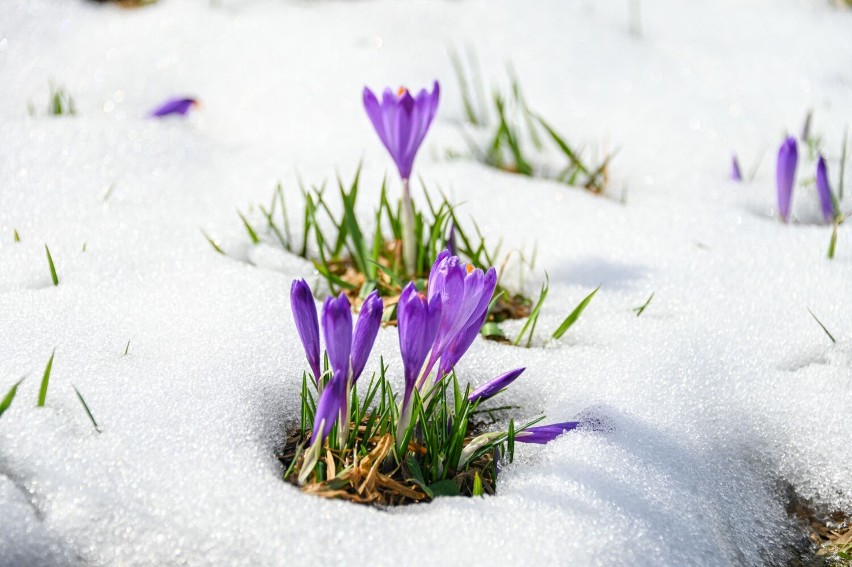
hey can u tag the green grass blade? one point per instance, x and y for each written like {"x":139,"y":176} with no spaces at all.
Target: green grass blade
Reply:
{"x":832,"y":244}
{"x":86,"y":407}
{"x":16,"y":236}
{"x":251,"y":232}
{"x":45,"y":380}
{"x":53,"y":275}
{"x":212,"y":243}
{"x":641,"y":309}
{"x":10,"y":395}
{"x":823,"y":326}
{"x":529,"y":326}
{"x":574,"y":315}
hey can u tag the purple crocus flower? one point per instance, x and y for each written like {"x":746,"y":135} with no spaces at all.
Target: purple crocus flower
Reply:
{"x":545,"y":433}
{"x":366,"y":329}
{"x":305,"y":314}
{"x":331,"y":405}
{"x":401,"y":121}
{"x":494,"y":386}
{"x":174,"y":106}
{"x":417,"y":320}
{"x":736,"y":174}
{"x":785,"y":175}
{"x":824,"y":191}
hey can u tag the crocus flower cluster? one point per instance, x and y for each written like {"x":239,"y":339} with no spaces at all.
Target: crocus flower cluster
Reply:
{"x":788,"y":159}
{"x":435,"y":328}
{"x":347,"y":351}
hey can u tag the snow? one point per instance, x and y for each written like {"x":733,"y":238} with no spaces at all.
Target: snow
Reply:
{"x":721,"y":394}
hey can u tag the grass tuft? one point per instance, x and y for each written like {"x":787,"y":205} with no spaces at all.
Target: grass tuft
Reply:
{"x":641,"y":309}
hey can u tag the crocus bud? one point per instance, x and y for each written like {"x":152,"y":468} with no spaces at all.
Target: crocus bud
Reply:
{"x":305,"y":314}
{"x":824,"y":191}
{"x":494,"y":386}
{"x":785,"y":175}
{"x":366,"y":329}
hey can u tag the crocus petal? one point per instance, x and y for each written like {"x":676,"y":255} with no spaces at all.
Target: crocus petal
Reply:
{"x":417,"y":322}
{"x":459,"y":344}
{"x":366,"y":329}
{"x":174,"y":106}
{"x":824,"y":191}
{"x":736,"y":174}
{"x":451,"y":240}
{"x":788,"y":157}
{"x":337,"y":330}
{"x":494,"y":386}
{"x":329,"y":407}
{"x":305,"y":314}
{"x":545,"y":433}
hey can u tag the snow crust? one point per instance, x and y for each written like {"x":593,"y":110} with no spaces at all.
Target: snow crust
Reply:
{"x":721,"y":394}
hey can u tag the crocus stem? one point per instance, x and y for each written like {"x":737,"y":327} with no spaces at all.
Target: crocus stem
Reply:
{"x":409,"y":248}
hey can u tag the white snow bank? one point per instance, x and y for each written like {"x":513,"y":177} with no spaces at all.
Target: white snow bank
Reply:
{"x":723,"y":389}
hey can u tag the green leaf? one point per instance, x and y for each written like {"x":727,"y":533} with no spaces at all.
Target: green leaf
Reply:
{"x":53,"y":275}
{"x":832,"y":244}
{"x":251,"y":232}
{"x":86,"y":407}
{"x":641,"y":309}
{"x":212,"y":243}
{"x":7,"y":400}
{"x":529,"y":326}
{"x":574,"y":315}
{"x":510,"y":440}
{"x":823,"y":326}
{"x":477,"y":486}
{"x":445,"y":488}
{"x":492,"y":329}
{"x":16,"y":235}
{"x":45,"y":380}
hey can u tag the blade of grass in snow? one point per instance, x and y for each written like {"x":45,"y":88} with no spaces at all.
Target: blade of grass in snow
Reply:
{"x":843,"y":163}
{"x":823,"y":326}
{"x":127,"y":348}
{"x":53,"y":275}
{"x":15,"y":235}
{"x":574,"y":315}
{"x":86,"y":407}
{"x":45,"y":380}
{"x":251,"y":232}
{"x":641,"y":309}
{"x":10,"y":395}
{"x":213,"y":242}
{"x":832,"y":244}
{"x":529,"y":326}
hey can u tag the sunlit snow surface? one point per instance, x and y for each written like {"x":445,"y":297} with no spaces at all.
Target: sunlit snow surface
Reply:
{"x":721,"y":393}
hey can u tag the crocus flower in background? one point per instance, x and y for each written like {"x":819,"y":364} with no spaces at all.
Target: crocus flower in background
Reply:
{"x":180,"y":106}
{"x":542,"y":434}
{"x":417,"y":321}
{"x":494,"y":386}
{"x":305,"y":315}
{"x":401,"y":121}
{"x":451,"y":240}
{"x":736,"y":174}
{"x":824,"y":191}
{"x":785,"y":175}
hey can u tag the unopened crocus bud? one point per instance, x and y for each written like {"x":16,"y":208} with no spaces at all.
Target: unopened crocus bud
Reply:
{"x":785,"y":175}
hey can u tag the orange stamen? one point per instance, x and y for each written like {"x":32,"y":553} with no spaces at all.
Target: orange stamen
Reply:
{"x":401,"y":91}
{"x":469,"y":268}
